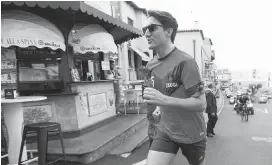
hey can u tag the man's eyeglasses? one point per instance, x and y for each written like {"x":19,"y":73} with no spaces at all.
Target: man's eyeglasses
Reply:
{"x":151,"y":28}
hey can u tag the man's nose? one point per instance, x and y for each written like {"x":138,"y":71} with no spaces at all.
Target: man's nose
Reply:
{"x":147,"y":33}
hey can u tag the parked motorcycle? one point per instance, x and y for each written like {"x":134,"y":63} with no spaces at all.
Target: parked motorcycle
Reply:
{"x":250,"y":108}
{"x":236,"y":107}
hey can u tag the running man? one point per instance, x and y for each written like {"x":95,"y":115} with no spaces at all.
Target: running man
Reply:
{"x":178,"y":94}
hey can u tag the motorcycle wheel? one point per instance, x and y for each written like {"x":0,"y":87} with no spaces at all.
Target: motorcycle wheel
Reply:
{"x":246,"y":115}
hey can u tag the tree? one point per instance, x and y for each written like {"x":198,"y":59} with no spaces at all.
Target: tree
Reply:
{"x":259,"y":86}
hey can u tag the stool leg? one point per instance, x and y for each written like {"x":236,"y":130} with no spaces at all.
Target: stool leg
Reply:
{"x":62,"y":145}
{"x":22,"y":145}
{"x":42,"y":146}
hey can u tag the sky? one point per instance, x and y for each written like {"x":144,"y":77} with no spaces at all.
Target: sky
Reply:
{"x":241,"y":30}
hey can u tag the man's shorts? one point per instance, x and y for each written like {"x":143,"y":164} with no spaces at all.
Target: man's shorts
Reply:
{"x":195,"y":153}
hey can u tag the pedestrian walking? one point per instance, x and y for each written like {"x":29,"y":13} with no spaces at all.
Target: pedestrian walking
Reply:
{"x":211,"y":110}
{"x":177,"y":94}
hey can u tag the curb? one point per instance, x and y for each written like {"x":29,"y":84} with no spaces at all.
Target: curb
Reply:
{"x":222,"y":103}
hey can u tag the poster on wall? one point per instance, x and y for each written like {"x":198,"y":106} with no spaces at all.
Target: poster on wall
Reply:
{"x":75,"y":75}
{"x":105,"y":65}
{"x":8,"y":59}
{"x":97,"y":103}
{"x":83,"y":99}
{"x":111,"y":98}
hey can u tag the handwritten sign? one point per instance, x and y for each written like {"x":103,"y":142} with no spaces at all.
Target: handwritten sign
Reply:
{"x":35,"y":114}
{"x":97,"y":103}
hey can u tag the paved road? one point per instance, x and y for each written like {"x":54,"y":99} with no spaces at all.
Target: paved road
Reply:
{"x":236,"y":143}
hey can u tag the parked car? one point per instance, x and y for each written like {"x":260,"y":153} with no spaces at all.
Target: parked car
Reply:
{"x":229,"y":95}
{"x":263,"y":99}
{"x":269,"y":96}
{"x":232,"y":100}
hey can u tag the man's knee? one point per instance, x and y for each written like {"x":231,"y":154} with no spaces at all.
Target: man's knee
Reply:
{"x":159,"y":158}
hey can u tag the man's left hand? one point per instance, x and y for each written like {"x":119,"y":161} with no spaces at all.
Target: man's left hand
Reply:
{"x":153,"y":96}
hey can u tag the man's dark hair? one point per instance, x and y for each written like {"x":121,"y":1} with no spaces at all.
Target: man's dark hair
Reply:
{"x":210,"y":86}
{"x":167,"y":20}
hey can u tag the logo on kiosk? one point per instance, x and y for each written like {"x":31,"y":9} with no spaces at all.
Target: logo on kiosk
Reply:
{"x":40,"y":42}
{"x":82,"y":48}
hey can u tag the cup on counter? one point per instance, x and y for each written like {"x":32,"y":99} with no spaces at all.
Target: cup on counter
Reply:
{"x":10,"y":93}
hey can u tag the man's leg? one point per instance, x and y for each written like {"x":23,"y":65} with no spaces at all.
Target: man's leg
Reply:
{"x":159,"y":158}
{"x":162,"y":151}
{"x":195,"y":153}
{"x":150,"y":142}
{"x":209,"y":124}
{"x":215,"y":118}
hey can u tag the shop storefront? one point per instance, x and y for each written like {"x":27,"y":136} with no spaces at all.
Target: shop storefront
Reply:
{"x":93,"y":48}
{"x":62,"y":50}
{"x":31,"y":52}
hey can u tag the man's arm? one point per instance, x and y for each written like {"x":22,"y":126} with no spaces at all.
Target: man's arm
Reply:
{"x":196,"y":103}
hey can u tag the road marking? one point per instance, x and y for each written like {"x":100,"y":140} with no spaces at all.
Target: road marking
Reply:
{"x":264,"y":111}
{"x":222,"y":104}
{"x":266,"y":139}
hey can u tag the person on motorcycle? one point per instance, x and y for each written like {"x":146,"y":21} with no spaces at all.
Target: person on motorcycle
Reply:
{"x":237,"y":103}
{"x":242,"y":100}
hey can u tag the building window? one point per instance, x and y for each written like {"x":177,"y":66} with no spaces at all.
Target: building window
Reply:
{"x":115,"y":9}
{"x":130,"y":21}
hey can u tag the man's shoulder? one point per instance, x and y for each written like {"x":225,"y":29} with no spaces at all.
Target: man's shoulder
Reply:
{"x":182,"y":56}
{"x":208,"y":92}
{"x":152,"y":63}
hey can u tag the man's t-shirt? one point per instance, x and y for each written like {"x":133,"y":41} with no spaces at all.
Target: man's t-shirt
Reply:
{"x":177,"y":75}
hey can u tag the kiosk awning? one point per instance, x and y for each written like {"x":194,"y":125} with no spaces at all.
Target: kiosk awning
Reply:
{"x":120,"y":31}
{"x":142,"y":54}
{"x":91,"y":38}
{"x":23,"y":29}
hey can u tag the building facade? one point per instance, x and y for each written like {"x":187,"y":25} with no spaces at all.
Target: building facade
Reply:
{"x":195,"y":44}
{"x":134,"y":53}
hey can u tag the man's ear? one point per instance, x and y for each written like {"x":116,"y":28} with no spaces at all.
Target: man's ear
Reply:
{"x":169,"y":31}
